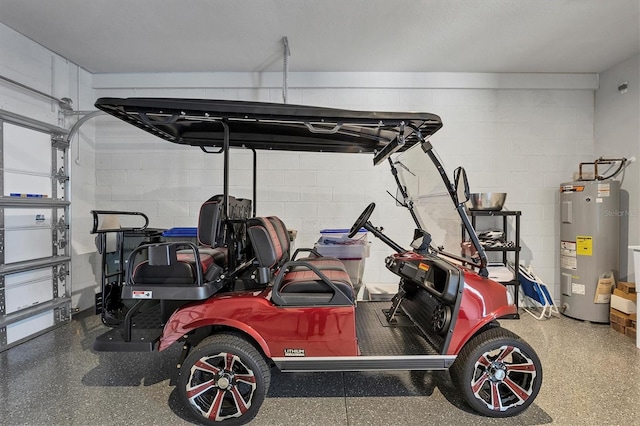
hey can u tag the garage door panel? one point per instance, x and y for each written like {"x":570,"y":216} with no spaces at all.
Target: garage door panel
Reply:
{"x":27,"y":161}
{"x":26,"y":289}
{"x":28,"y":234}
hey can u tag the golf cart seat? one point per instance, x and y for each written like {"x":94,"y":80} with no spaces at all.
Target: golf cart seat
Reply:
{"x":185,"y":265}
{"x":319,"y":261}
{"x":308,"y":281}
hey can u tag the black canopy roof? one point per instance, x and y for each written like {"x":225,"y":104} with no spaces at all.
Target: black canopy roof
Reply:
{"x":271,"y":126}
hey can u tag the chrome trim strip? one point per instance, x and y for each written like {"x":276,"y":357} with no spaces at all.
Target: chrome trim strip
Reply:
{"x":364,"y":363}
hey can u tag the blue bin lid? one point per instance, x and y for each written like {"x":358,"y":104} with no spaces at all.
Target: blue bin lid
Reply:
{"x":181,"y":232}
{"x":339,"y":231}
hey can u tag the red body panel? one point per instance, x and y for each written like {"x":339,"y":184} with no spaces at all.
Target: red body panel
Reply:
{"x":483,"y":300}
{"x":323,"y":331}
{"x":318,"y":331}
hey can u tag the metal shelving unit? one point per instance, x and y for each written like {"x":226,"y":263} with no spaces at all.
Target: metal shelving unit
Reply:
{"x":504,"y":217}
{"x":35,"y":257}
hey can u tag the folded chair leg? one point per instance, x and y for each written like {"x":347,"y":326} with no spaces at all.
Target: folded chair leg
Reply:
{"x":541,"y":296}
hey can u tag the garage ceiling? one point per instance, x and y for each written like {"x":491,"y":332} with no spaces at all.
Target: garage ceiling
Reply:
{"x":125,"y":36}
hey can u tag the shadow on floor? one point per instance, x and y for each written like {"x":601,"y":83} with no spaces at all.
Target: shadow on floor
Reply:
{"x":133,"y":369}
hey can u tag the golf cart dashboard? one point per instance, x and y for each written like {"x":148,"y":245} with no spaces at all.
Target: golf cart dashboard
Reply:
{"x":431,"y":273}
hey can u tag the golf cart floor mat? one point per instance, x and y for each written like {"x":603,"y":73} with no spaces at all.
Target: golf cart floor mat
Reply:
{"x":377,"y":338}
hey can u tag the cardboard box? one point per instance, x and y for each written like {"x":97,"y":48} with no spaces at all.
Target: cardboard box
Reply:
{"x":624,"y":302}
{"x":606,"y":283}
{"x":626,"y":287}
{"x":630,"y":332}
{"x":619,"y":328}
{"x":620,"y":318}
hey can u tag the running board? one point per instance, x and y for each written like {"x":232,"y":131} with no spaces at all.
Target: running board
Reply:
{"x":364,"y":363}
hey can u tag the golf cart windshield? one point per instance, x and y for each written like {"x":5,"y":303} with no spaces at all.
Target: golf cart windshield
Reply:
{"x":430,"y":198}
{"x":434,"y":201}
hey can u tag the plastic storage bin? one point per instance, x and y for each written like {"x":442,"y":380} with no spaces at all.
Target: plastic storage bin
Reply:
{"x":352,"y":251}
{"x":176,"y":235}
{"x":343,"y":251}
{"x":339,"y":236}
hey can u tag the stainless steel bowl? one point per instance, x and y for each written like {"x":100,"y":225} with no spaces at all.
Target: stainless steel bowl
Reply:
{"x":492,"y":201}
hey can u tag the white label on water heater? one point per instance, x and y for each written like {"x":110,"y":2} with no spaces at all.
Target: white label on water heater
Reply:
{"x":568,"y":248}
{"x":568,"y":255}
{"x":578,"y":288}
{"x":604,"y":190}
{"x":568,"y":262}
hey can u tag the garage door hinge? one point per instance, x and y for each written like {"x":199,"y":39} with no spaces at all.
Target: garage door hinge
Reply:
{"x":61,"y":176}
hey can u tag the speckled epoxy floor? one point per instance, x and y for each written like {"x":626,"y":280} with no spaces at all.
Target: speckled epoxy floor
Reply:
{"x":591,"y":377}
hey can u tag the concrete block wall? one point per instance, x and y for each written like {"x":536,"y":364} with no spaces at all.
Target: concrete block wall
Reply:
{"x":521,"y":141}
{"x":29,"y":63}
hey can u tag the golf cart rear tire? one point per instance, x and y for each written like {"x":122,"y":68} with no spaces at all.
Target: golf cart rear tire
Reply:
{"x":224,"y":380}
{"x":498,"y":373}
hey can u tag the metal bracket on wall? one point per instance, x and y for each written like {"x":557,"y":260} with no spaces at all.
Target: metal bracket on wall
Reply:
{"x":59,"y":142}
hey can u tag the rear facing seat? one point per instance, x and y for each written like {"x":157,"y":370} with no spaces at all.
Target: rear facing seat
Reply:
{"x":308,"y":281}
{"x":213,"y":256}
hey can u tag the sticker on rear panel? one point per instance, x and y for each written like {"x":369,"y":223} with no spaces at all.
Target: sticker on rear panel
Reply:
{"x":294,"y":352}
{"x":141,"y":294}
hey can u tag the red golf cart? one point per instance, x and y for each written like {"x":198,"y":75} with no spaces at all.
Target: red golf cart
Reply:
{"x":240,"y":302}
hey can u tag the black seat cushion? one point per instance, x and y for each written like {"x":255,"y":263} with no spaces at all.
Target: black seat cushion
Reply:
{"x":184,"y":270}
{"x":308,"y":281}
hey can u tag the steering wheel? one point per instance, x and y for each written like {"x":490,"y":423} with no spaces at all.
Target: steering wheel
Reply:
{"x":364,"y":217}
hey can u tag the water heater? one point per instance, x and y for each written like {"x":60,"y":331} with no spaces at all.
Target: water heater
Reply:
{"x":589,"y":245}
